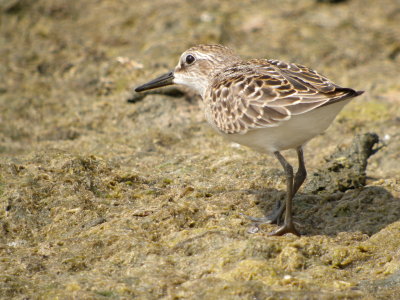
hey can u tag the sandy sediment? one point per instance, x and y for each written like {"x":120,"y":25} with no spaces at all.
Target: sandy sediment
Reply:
{"x":107,"y":194}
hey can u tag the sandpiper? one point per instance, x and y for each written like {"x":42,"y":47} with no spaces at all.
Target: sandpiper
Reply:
{"x":265,"y":104}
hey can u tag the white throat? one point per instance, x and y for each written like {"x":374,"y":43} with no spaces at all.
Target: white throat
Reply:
{"x":197,"y":84}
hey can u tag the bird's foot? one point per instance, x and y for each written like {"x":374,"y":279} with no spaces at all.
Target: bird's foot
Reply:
{"x":285,"y":228}
{"x":273,"y":218}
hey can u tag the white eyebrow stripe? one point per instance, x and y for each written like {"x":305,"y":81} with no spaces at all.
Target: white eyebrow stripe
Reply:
{"x":202,"y":56}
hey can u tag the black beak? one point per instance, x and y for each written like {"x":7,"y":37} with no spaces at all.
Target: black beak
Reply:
{"x":163,"y":80}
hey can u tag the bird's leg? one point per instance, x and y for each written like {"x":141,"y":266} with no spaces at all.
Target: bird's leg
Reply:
{"x":301,"y":173}
{"x":276,"y":216}
{"x":288,"y":225}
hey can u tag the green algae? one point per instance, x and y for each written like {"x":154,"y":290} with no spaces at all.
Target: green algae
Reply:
{"x":373,"y":111}
{"x":104,"y":199}
{"x":346,"y":168}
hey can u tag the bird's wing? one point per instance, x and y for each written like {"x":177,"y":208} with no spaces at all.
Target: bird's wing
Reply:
{"x":263,"y":93}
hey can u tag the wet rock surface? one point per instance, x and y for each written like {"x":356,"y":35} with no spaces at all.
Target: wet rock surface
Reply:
{"x":346,"y":168}
{"x":104,"y":199}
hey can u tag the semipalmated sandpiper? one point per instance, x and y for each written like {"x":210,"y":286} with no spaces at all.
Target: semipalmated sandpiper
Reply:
{"x":265,"y":104}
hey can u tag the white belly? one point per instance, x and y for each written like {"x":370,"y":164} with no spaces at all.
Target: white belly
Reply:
{"x":292,"y":133}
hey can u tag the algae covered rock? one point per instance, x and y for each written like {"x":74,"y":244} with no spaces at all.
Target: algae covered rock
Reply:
{"x":346,"y":168}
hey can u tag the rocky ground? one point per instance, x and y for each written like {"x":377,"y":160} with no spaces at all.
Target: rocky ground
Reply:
{"x":105,"y":194}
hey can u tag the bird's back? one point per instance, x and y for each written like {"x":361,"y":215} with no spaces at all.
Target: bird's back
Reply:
{"x":263,"y":93}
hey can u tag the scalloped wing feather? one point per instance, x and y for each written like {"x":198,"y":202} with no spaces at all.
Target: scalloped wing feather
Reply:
{"x":263,"y":93}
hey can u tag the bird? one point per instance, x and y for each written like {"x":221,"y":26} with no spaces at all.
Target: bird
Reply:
{"x":265,"y":104}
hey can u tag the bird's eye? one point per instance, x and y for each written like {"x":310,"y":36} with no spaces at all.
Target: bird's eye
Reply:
{"x":190,"y":59}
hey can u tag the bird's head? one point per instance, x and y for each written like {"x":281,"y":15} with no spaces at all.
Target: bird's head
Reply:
{"x":195,"y":68}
